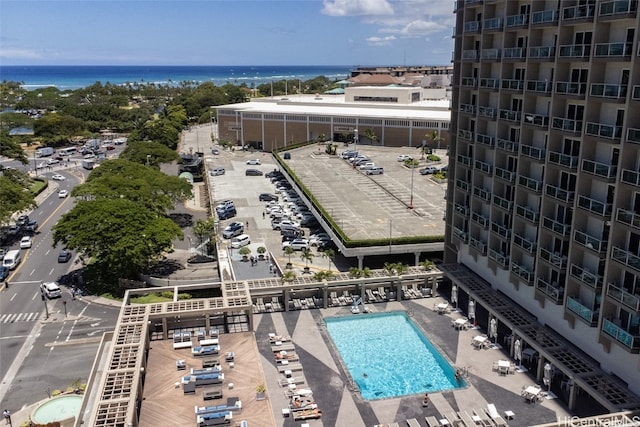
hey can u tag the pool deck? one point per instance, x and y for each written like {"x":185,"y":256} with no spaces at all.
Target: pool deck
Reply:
{"x":343,"y":407}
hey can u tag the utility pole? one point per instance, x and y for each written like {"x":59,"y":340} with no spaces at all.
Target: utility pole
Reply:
{"x":44,"y":300}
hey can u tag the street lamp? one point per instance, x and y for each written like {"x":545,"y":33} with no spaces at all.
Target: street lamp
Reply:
{"x":411,"y":199}
{"x":355,"y":139}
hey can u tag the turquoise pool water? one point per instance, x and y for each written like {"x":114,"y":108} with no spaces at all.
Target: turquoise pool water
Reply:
{"x":387,"y":356}
{"x":57,"y":409}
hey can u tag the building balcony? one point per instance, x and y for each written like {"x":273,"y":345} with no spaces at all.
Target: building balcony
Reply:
{"x":547,"y":53}
{"x":628,"y":217}
{"x":603,"y":131}
{"x":544,"y":17}
{"x":488,"y":112}
{"x":626,"y":258}
{"x":590,"y":242}
{"x":559,"y":193}
{"x":485,"y":140}
{"x":555,"y":259}
{"x":557,"y":227}
{"x":528,"y":214}
{"x":478,"y":245}
{"x":613,"y":50}
{"x":633,"y":135}
{"x":522,"y":272}
{"x":471,"y":27}
{"x":501,"y":230}
{"x":526,"y":244}
{"x":530,"y":183}
{"x":540,"y":86}
{"x":460,"y":234}
{"x":630,"y":177}
{"x":490,"y":54}
{"x":493,"y":84}
{"x":468,"y":109}
{"x":465,"y":134}
{"x":500,"y":258}
{"x":594,"y":281}
{"x":602,"y":90}
{"x":513,"y":116}
{"x":512,"y":84}
{"x":567,"y":125}
{"x":503,"y":203}
{"x":463,"y":160}
{"x":624,"y":297}
{"x":565,"y":160}
{"x":595,"y":206}
{"x":574,"y":51}
{"x":571,"y":88}
{"x":463,"y":185}
{"x":461,"y":209}
{"x":507,"y":145}
{"x":468,"y":82}
{"x":575,"y":13}
{"x":536,"y":120}
{"x":517,"y":21}
{"x":482,"y":193}
{"x":629,"y":341}
{"x":483,"y":221}
{"x":470,"y":55}
{"x":552,"y":292}
{"x":493,"y":24}
{"x":582,"y":311}
{"x":618,"y":7}
{"x":514,"y":53}
{"x":532,"y":152}
{"x":483,"y":167}
{"x":505,"y":175}
{"x":602,"y":170}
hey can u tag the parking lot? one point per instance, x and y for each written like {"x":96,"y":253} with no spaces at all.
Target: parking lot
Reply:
{"x":364,"y":206}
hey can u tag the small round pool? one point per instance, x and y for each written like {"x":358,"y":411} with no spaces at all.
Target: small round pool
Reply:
{"x":58,"y":409}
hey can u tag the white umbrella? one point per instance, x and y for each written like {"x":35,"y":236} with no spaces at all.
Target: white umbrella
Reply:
{"x":454,"y":295}
{"x":517,"y":351}
{"x":493,"y":329}
{"x":547,"y":375}
{"x":472,"y":310}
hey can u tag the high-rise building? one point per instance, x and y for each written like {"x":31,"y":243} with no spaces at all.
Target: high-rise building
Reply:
{"x":543,"y":201}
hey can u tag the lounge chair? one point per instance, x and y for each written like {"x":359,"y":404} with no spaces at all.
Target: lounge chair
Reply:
{"x":394,"y":425}
{"x":467,"y":418}
{"x":484,"y":419}
{"x":495,"y":415}
{"x":307,"y":414}
{"x":215,"y":418}
{"x":282,"y":338}
{"x":205,"y":350}
{"x":412,"y":422}
{"x":432,"y":421}
{"x":370,"y":296}
{"x":236,"y":406}
{"x":286,"y":382}
{"x":290,"y":367}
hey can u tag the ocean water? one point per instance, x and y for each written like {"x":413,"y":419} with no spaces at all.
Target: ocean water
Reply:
{"x":75,"y":77}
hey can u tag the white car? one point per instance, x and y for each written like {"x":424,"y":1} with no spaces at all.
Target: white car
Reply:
{"x":58,"y":177}
{"x":25,"y":242}
{"x":53,"y":161}
{"x":254,"y":162}
{"x":62,"y":194}
{"x":296,"y":244}
{"x":217,"y":172}
{"x":404,"y":157}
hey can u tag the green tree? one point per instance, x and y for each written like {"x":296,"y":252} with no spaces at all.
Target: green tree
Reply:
{"x":289,"y":276}
{"x":204,"y":229}
{"x":370,"y":134}
{"x":13,"y":195}
{"x":330,"y":254}
{"x":148,"y":153}
{"x":289,"y":251}
{"x":307,"y":256}
{"x":119,"y":236}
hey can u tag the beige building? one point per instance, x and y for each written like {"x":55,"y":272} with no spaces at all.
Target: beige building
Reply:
{"x":544,"y":198}
{"x":393,"y":115}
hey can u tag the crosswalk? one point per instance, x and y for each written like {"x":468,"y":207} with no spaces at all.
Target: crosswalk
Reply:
{"x":18,"y":317}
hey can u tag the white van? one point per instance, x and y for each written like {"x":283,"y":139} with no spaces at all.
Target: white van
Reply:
{"x":240,"y":241}
{"x":12,"y":259}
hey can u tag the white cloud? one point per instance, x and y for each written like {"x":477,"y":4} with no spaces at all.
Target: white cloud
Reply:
{"x":19,"y":54}
{"x":380,"y":41}
{"x":421,"y":27}
{"x":357,"y":8}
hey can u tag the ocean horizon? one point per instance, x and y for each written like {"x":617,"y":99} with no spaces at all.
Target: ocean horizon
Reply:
{"x":71,"y":77}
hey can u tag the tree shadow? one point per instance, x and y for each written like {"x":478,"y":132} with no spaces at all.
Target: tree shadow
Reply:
{"x":165,"y":268}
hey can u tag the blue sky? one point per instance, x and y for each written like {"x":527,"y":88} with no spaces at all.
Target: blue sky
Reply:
{"x":226,"y":32}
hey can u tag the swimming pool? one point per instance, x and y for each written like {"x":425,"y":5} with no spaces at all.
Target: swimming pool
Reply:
{"x":387,"y":356}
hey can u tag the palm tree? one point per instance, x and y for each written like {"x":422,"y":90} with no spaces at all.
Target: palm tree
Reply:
{"x":389,"y":267}
{"x":370,"y":134}
{"x":435,"y":138}
{"x":428,"y":264}
{"x":355,"y":272}
{"x":289,"y":251}
{"x":307,"y":257}
{"x":400,"y":268}
{"x":288,"y":276}
{"x":330,"y":254}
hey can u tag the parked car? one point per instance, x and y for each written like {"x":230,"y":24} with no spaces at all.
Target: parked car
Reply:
{"x":62,"y":194}
{"x":428,"y":170}
{"x":22,"y":220}
{"x":215,"y":151}
{"x":232,"y":230}
{"x":217,"y":172}
{"x":404,"y":157}
{"x":25,"y":242}
{"x":240,"y":241}
{"x":225,"y":204}
{"x":273,"y":174}
{"x":267,"y":197}
{"x":284,"y":222}
{"x":58,"y":177}
{"x":445,"y":168}
{"x":31,"y":226}
{"x":253,"y":172}
{"x":50,"y":290}
{"x":296,"y":244}
{"x":254,"y":162}
{"x":226,"y":213}
{"x":377,"y":170}
{"x":64,"y":256}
